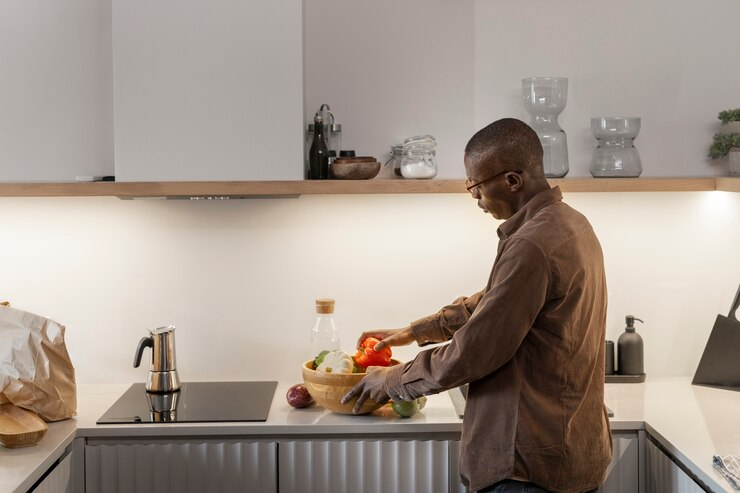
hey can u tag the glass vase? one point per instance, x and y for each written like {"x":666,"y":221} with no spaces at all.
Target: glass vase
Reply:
{"x":735,"y":161}
{"x":544,"y":99}
{"x":615,"y":155}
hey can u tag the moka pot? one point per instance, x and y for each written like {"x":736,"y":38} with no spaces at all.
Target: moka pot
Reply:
{"x":163,"y":369}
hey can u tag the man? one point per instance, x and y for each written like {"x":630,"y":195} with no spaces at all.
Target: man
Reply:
{"x":531,"y":344}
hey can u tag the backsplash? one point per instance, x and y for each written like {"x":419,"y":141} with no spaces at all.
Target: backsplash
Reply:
{"x":238,"y":278}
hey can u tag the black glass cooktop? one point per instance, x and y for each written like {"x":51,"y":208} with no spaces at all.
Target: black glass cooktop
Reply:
{"x":194,"y":402}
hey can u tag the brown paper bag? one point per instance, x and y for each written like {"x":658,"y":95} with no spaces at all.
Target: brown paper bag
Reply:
{"x":35,"y":370}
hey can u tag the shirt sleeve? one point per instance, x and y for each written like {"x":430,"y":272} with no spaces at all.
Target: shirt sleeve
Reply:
{"x":491,"y":336}
{"x":440,"y":326}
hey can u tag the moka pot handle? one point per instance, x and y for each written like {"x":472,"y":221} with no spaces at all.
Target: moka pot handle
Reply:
{"x":143,"y":343}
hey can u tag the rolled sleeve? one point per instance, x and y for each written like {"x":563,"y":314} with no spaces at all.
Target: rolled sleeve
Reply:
{"x":491,"y":335}
{"x":441,"y":326}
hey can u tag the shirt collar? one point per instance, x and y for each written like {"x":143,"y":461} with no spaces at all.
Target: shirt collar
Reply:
{"x":530,"y":209}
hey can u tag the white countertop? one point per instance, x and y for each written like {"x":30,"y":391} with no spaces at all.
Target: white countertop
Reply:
{"x":692,"y":423}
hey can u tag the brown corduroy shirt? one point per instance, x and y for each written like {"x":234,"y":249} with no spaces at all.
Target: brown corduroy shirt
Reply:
{"x":531,"y":345}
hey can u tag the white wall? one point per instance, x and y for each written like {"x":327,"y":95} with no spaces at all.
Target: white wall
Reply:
{"x":382,"y":65}
{"x":238,"y":278}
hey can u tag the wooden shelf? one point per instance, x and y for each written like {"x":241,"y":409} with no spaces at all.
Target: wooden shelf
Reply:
{"x":233,"y":189}
{"x":727,"y":184}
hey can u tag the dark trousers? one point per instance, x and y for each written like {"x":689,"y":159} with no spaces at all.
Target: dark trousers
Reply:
{"x":511,"y":486}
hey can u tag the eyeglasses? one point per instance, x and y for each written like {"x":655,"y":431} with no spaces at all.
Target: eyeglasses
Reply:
{"x":473,"y":187}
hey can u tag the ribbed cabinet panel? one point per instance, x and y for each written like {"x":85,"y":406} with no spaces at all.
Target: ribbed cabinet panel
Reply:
{"x":664,"y":475}
{"x":342,"y":466}
{"x":181,"y":467}
{"x":456,"y":485}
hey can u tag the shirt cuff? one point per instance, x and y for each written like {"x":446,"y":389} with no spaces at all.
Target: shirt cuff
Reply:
{"x":393,"y":386}
{"x":427,"y":330}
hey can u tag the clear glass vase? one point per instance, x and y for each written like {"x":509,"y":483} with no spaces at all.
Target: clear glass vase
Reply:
{"x":615,"y":155}
{"x":544,"y":99}
{"x":735,"y":161}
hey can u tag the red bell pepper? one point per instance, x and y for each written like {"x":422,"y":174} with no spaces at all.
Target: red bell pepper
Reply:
{"x":368,"y":356}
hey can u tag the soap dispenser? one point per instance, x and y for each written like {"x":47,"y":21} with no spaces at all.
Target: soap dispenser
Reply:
{"x":630,"y":350}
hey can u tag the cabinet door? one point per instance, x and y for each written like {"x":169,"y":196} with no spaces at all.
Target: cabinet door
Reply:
{"x":56,"y":90}
{"x":208,"y":90}
{"x":363,"y":466}
{"x":180,"y":466}
{"x":622,"y":475}
{"x":58,"y":480}
{"x":665,"y":476}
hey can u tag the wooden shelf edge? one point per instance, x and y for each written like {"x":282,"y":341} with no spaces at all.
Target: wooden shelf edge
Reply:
{"x":233,"y":189}
{"x":701,"y":184}
{"x":728,"y":184}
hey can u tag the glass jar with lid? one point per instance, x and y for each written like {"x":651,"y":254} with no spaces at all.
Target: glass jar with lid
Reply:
{"x":419,"y":158}
{"x":394,"y":161}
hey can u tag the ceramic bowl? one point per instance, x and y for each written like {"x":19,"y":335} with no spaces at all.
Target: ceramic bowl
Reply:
{"x":354,"y":169}
{"x":327,"y":389}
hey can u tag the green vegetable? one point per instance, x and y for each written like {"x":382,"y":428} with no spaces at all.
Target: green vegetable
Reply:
{"x":406,"y":409}
{"x":422,"y":402}
{"x":320,"y":358}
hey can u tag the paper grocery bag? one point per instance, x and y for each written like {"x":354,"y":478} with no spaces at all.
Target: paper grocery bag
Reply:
{"x":35,"y":370}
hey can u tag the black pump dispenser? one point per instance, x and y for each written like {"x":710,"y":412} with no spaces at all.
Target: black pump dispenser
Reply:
{"x":630,"y":350}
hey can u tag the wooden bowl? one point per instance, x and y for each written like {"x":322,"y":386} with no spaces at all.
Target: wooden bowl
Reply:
{"x":354,"y":169}
{"x":327,"y":389}
{"x":20,"y":428}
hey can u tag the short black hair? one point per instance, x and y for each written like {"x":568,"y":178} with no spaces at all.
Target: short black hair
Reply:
{"x":512,"y":143}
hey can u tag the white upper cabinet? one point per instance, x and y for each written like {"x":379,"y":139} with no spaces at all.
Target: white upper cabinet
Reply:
{"x":208,"y":90}
{"x":56,"y":109}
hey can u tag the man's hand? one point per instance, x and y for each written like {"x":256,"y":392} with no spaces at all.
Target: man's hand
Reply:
{"x":371,"y":386}
{"x":388,"y":337}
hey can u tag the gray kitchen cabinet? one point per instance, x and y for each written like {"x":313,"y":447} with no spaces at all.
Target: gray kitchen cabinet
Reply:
{"x":665,"y":476}
{"x":623,"y":473}
{"x":208,"y":91}
{"x":622,"y":476}
{"x":65,"y":474}
{"x":57,"y":479}
{"x":56,"y":90}
{"x":180,"y":466}
{"x":363,"y":466}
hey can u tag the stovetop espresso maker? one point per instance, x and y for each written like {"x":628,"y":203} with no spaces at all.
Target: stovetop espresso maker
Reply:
{"x":163,"y":376}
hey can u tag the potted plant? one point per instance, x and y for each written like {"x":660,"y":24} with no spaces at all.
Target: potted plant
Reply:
{"x":728,"y":141}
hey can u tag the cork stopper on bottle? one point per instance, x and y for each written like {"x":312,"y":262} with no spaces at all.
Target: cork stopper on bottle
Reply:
{"x":324,"y":305}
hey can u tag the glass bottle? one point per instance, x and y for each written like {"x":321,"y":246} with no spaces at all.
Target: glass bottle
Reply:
{"x":318,"y":156}
{"x":544,"y":99}
{"x":325,"y":333}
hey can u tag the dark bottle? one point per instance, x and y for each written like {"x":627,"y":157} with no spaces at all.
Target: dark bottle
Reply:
{"x":630,"y":350}
{"x":318,"y":156}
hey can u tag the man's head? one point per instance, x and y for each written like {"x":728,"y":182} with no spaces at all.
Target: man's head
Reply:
{"x":503,"y":162}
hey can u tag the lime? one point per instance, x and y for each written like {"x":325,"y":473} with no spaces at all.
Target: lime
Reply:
{"x":406,"y":409}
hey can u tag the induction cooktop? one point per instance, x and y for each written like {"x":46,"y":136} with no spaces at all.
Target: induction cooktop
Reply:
{"x":195,"y":402}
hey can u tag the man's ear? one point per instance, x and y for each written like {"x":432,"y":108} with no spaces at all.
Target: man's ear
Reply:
{"x":514,"y":181}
